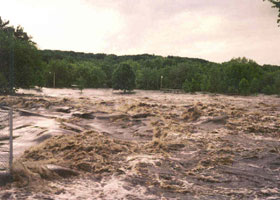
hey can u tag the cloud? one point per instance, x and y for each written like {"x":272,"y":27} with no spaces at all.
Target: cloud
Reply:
{"x":216,"y":30}
{"x":63,"y":24}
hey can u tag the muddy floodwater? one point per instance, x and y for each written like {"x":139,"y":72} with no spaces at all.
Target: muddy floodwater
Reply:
{"x":100,"y":144}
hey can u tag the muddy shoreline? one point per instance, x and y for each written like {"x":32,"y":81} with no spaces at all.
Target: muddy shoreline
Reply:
{"x":147,"y":145}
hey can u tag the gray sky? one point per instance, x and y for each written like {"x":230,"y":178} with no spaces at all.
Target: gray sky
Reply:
{"x":216,"y":30}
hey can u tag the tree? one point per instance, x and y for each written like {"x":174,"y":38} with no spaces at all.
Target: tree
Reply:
{"x":17,"y":49}
{"x":3,"y":85}
{"x":81,"y":82}
{"x":188,"y":86}
{"x":123,"y":78}
{"x":276,"y":4}
{"x":60,"y":73}
{"x":93,"y":76}
{"x":3,"y":24}
{"x":277,"y":82}
{"x":255,"y":85}
{"x":97,"y":78}
{"x":148,"y":79}
{"x":191,"y":85}
{"x":5,"y":53}
{"x":204,"y":85}
{"x":244,"y":87}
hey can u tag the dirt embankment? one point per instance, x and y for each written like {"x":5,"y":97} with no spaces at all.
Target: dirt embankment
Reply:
{"x":151,"y":146}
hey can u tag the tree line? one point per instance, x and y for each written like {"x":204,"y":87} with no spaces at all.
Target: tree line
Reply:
{"x":20,"y":60}
{"x":54,"y":68}
{"x":237,"y":76}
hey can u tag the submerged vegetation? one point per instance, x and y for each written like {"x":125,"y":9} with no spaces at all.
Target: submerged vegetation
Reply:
{"x":54,"y":68}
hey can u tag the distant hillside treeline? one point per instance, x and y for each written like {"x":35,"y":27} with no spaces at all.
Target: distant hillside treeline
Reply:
{"x":65,"y":68}
{"x":238,"y":76}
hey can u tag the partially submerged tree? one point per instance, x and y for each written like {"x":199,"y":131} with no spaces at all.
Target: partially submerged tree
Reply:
{"x":81,"y":82}
{"x":123,"y":78}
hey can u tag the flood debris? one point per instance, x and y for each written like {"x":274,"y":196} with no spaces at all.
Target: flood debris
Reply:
{"x":191,"y":114}
{"x":216,"y":120}
{"x":157,"y":146}
{"x":88,"y":151}
{"x":63,"y":109}
{"x":86,"y":115}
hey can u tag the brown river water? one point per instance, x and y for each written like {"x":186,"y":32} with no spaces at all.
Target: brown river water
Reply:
{"x":144,"y":145}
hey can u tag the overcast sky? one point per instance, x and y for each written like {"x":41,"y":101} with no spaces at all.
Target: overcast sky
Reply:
{"x":216,"y":30}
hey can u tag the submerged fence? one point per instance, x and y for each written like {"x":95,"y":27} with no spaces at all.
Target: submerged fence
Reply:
{"x":6,"y":139}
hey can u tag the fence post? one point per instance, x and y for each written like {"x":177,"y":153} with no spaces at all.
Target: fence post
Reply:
{"x":11,"y":139}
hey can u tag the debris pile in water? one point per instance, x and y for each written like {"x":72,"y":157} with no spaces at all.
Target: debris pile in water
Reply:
{"x":88,"y":151}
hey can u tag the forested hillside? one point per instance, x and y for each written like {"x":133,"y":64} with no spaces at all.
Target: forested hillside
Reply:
{"x":237,"y":76}
{"x":54,"y":68}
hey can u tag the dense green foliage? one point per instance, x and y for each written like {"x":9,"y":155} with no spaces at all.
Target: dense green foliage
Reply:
{"x":4,"y":87}
{"x":237,"y":76}
{"x":123,"y":78}
{"x":54,"y":68}
{"x":17,"y":49}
